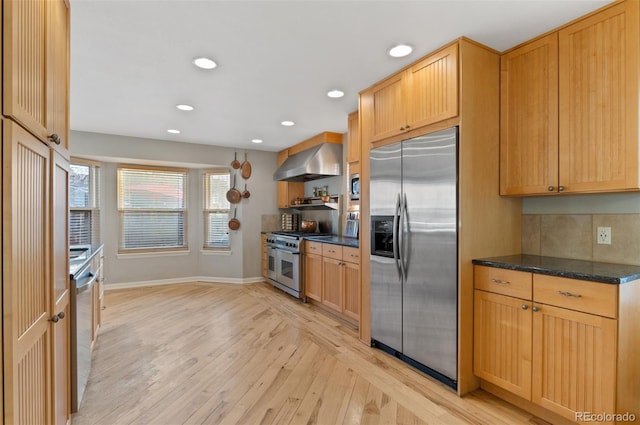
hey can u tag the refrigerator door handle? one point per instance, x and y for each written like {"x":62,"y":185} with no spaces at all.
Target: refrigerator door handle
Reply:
{"x":404,"y":236}
{"x":401,"y":238}
{"x":396,"y":231}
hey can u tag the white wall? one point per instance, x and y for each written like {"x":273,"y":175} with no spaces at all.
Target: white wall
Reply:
{"x":241,"y":264}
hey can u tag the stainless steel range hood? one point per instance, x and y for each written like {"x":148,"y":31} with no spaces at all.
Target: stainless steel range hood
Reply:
{"x":323,"y":160}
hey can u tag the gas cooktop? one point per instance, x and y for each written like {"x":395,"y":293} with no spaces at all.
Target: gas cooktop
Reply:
{"x":299,"y":234}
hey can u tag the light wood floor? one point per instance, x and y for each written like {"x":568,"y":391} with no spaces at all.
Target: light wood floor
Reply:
{"x":201,"y":353}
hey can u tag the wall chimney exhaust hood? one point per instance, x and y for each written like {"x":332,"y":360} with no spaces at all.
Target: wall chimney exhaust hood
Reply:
{"x":317,"y":162}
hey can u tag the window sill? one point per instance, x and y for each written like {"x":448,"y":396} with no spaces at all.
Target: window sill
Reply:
{"x":126,"y":256}
{"x":215,"y":251}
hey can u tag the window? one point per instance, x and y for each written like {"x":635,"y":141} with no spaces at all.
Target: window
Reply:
{"x":84,"y":195}
{"x":216,"y":209}
{"x":152,"y":208}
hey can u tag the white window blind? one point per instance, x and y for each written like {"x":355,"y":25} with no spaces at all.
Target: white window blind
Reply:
{"x":84,"y":206}
{"x":152,"y":208}
{"x":216,"y":209}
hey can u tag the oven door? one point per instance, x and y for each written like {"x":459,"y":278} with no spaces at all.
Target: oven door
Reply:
{"x":271,"y":262}
{"x":288,"y":268}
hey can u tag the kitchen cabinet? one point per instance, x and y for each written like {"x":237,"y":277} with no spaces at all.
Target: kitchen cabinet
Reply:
{"x":589,"y":142}
{"x":351,"y":276}
{"x":553,"y":340}
{"x":423,"y":94}
{"x":35,"y":273}
{"x":288,"y":190}
{"x":332,"y":277}
{"x":35,"y":67}
{"x":313,"y":270}
{"x":353,"y":138}
{"x":263,"y":238}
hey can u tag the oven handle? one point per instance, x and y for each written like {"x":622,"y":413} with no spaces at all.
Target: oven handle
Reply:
{"x":287,"y":251}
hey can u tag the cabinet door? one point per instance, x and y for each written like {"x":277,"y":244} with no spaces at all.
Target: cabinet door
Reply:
{"x":332,"y":283}
{"x":58,"y":72}
{"x":599,"y":72}
{"x":26,"y":277}
{"x":529,"y":118}
{"x":386,"y":108}
{"x":313,"y":277}
{"x":24,"y":64}
{"x":502,"y":347}
{"x":574,"y":361}
{"x":432,"y":88}
{"x":351,"y":303}
{"x":288,"y":190}
{"x":61,"y":296}
{"x":353,"y":138}
{"x":263,"y":237}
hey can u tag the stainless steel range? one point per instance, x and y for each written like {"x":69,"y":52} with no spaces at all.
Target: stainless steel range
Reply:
{"x":284,"y":261}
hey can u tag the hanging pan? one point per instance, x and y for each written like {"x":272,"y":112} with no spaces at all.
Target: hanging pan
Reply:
{"x":246,"y":193}
{"x":235,"y":163}
{"x":233,"y":195}
{"x":246,"y":168}
{"x":234,"y":223}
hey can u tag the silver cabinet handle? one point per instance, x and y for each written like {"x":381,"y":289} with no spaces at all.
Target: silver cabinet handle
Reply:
{"x":569,"y":294}
{"x":551,"y":188}
{"x":560,"y":188}
{"x":524,"y":306}
{"x":500,"y":281}
{"x":536,"y":308}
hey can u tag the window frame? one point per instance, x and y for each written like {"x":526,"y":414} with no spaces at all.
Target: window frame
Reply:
{"x":122,"y":211}
{"x":207,"y":211}
{"x":95,"y":235}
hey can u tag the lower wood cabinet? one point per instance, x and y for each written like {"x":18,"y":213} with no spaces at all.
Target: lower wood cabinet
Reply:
{"x":264,"y":255}
{"x":332,"y":277}
{"x":558,"y":348}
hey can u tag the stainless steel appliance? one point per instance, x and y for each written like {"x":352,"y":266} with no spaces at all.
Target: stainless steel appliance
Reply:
{"x":414,"y":252}
{"x":284,"y":261}
{"x":354,"y":187}
{"x":82,"y":282}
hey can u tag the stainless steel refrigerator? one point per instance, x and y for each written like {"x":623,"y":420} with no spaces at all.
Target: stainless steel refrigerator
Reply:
{"x":414,"y":252}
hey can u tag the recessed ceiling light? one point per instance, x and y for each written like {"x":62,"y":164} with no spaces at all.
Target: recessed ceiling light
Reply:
{"x":287,"y":123}
{"x":256,"y":141}
{"x":184,"y":107}
{"x":204,"y":63}
{"x":173,"y":131}
{"x":400,"y":51}
{"x":335,"y":94}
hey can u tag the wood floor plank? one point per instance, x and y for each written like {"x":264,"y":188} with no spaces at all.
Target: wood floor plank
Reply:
{"x":203,"y":353}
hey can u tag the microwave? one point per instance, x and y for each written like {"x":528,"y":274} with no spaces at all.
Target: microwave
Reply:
{"x":354,"y":187}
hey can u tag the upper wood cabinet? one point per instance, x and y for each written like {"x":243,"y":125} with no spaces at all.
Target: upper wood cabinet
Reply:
{"x":353,"y":138}
{"x":529,"y":118}
{"x":423,"y":94}
{"x":288,"y":190}
{"x":35,"y":67}
{"x":589,"y":142}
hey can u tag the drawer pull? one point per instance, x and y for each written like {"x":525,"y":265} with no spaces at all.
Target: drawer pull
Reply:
{"x":569,"y":294}
{"x":500,"y":281}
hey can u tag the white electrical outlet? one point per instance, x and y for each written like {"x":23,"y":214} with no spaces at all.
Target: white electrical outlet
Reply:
{"x":604,"y":235}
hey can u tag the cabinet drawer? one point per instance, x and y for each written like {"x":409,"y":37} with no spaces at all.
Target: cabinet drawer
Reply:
{"x":332,"y":251}
{"x":351,"y":255}
{"x":502,"y":281}
{"x":313,"y":247}
{"x":579,"y":295}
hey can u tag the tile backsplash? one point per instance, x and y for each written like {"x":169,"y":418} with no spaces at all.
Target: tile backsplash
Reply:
{"x":574,"y":236}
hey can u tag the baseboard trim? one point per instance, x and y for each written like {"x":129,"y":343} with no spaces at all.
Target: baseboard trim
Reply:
{"x":174,"y":281}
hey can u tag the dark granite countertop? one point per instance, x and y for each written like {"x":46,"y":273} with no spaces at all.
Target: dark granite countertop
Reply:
{"x":574,"y":269}
{"x":88,"y":252}
{"x":335,"y":240}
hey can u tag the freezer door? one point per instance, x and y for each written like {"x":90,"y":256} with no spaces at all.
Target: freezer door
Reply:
{"x":386,"y":282}
{"x":429,"y":239}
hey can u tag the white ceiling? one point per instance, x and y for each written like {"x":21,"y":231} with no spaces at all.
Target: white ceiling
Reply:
{"x":131,"y":60}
